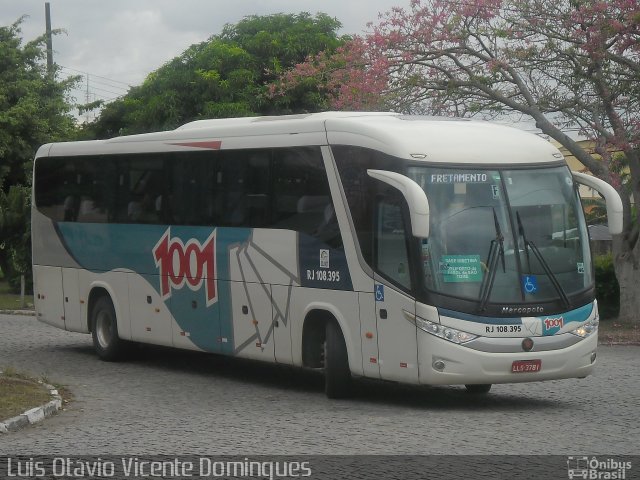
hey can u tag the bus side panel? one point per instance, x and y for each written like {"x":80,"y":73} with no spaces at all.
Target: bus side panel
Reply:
{"x":47,"y":242}
{"x":150,"y":317}
{"x":250,"y":305}
{"x":252,"y":321}
{"x":48,"y":295}
{"x":192,"y":319}
{"x":282,"y":322}
{"x":368,"y":335}
{"x":264,"y":266}
{"x":72,"y":307}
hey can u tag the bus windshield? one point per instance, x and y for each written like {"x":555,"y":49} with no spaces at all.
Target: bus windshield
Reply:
{"x":504,"y":236}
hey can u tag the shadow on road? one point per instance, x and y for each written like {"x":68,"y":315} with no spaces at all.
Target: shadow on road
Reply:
{"x":204,"y":367}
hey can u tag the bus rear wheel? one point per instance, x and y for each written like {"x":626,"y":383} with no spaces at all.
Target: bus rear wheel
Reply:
{"x":478,"y":389}
{"x":337,"y":376}
{"x":104,"y":331}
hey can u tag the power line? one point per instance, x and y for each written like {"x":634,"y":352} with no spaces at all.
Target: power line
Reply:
{"x":96,"y":76}
{"x":92,"y":88}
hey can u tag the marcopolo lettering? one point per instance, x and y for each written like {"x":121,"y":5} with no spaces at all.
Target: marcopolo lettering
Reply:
{"x":522,"y":310}
{"x":190,"y":264}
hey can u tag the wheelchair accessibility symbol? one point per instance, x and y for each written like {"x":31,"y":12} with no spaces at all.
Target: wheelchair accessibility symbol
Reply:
{"x":530,"y":284}
{"x":379,"y":293}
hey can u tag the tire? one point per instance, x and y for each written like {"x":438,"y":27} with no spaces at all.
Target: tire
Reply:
{"x":480,"y":389}
{"x":337,"y":376}
{"x":104,"y":331}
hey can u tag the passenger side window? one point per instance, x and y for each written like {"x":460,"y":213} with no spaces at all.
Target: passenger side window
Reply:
{"x":302,"y":200}
{"x":76,"y":190}
{"x":142,"y":183}
{"x":194,"y":195}
{"x":284,"y":188}
{"x":360,"y":189}
{"x":56,"y":189}
{"x":243,"y":183}
{"x":391,"y":246}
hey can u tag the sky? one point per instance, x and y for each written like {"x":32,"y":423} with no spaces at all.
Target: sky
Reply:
{"x":119,"y":42}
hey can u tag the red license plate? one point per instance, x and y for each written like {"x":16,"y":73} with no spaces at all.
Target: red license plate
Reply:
{"x":526,"y":366}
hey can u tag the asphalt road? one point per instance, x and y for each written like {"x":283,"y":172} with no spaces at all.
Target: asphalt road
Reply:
{"x":164,"y":401}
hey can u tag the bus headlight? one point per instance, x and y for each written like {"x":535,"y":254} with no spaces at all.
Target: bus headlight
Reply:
{"x":588,"y":328}
{"x":448,"y":333}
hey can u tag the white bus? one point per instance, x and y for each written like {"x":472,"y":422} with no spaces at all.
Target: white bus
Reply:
{"x":412,"y":249}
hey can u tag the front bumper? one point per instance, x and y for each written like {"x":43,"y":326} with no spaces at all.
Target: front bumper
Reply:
{"x":463,"y":365}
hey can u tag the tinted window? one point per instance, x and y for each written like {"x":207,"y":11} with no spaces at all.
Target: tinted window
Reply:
{"x":301,"y":196}
{"x":360,"y":189}
{"x":245,"y":190}
{"x":392,"y":257}
{"x":272,"y":188}
{"x":76,"y":189}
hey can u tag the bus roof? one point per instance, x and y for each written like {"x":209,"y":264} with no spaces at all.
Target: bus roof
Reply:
{"x":418,"y":138}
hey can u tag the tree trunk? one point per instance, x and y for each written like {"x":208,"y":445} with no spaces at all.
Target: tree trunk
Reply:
{"x":627,"y":266}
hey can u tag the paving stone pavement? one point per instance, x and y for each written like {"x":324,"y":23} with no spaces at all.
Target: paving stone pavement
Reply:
{"x":164,"y":401}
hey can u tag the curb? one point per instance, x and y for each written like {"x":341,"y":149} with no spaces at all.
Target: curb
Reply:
{"x":34,"y":415}
{"x":30,"y":313}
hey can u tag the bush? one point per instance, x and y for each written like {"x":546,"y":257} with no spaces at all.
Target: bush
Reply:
{"x":607,"y":288}
{"x":15,"y":236}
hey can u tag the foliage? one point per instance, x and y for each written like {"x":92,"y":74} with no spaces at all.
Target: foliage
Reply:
{"x":595,"y":211}
{"x":15,"y":245}
{"x":33,"y":110}
{"x":349,"y":79}
{"x":607,"y":288}
{"x":225,"y":76}
{"x":560,"y":63}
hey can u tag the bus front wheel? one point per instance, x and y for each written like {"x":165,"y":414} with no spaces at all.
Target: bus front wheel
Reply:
{"x":104,"y":331}
{"x":337,"y":376}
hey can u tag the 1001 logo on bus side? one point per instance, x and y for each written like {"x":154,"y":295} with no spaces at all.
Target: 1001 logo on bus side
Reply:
{"x":192,"y":264}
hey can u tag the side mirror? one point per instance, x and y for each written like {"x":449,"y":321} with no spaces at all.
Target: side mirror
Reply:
{"x":414,"y":196}
{"x":611,"y":197}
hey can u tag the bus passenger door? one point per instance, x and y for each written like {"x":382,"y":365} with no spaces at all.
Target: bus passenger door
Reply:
{"x":394,"y":308}
{"x":397,"y":344}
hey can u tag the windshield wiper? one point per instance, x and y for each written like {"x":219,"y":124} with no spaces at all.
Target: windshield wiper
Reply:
{"x":536,"y":252}
{"x":524,"y":239}
{"x":496,"y":249}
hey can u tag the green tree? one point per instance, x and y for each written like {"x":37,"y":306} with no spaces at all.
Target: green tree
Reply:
{"x":33,"y":110}
{"x":226,"y":76}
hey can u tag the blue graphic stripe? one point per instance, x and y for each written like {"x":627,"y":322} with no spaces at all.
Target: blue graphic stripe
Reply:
{"x":479,"y":319}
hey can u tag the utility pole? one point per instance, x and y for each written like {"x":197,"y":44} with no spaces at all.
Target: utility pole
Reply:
{"x":87,"y":100}
{"x":47,"y":13}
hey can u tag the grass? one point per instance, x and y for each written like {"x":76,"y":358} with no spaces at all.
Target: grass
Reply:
{"x":11,"y":301}
{"x":614,"y":331}
{"x":19,"y":393}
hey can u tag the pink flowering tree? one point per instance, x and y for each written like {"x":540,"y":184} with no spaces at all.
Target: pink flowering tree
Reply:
{"x":353,"y":78}
{"x":563,"y":64}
